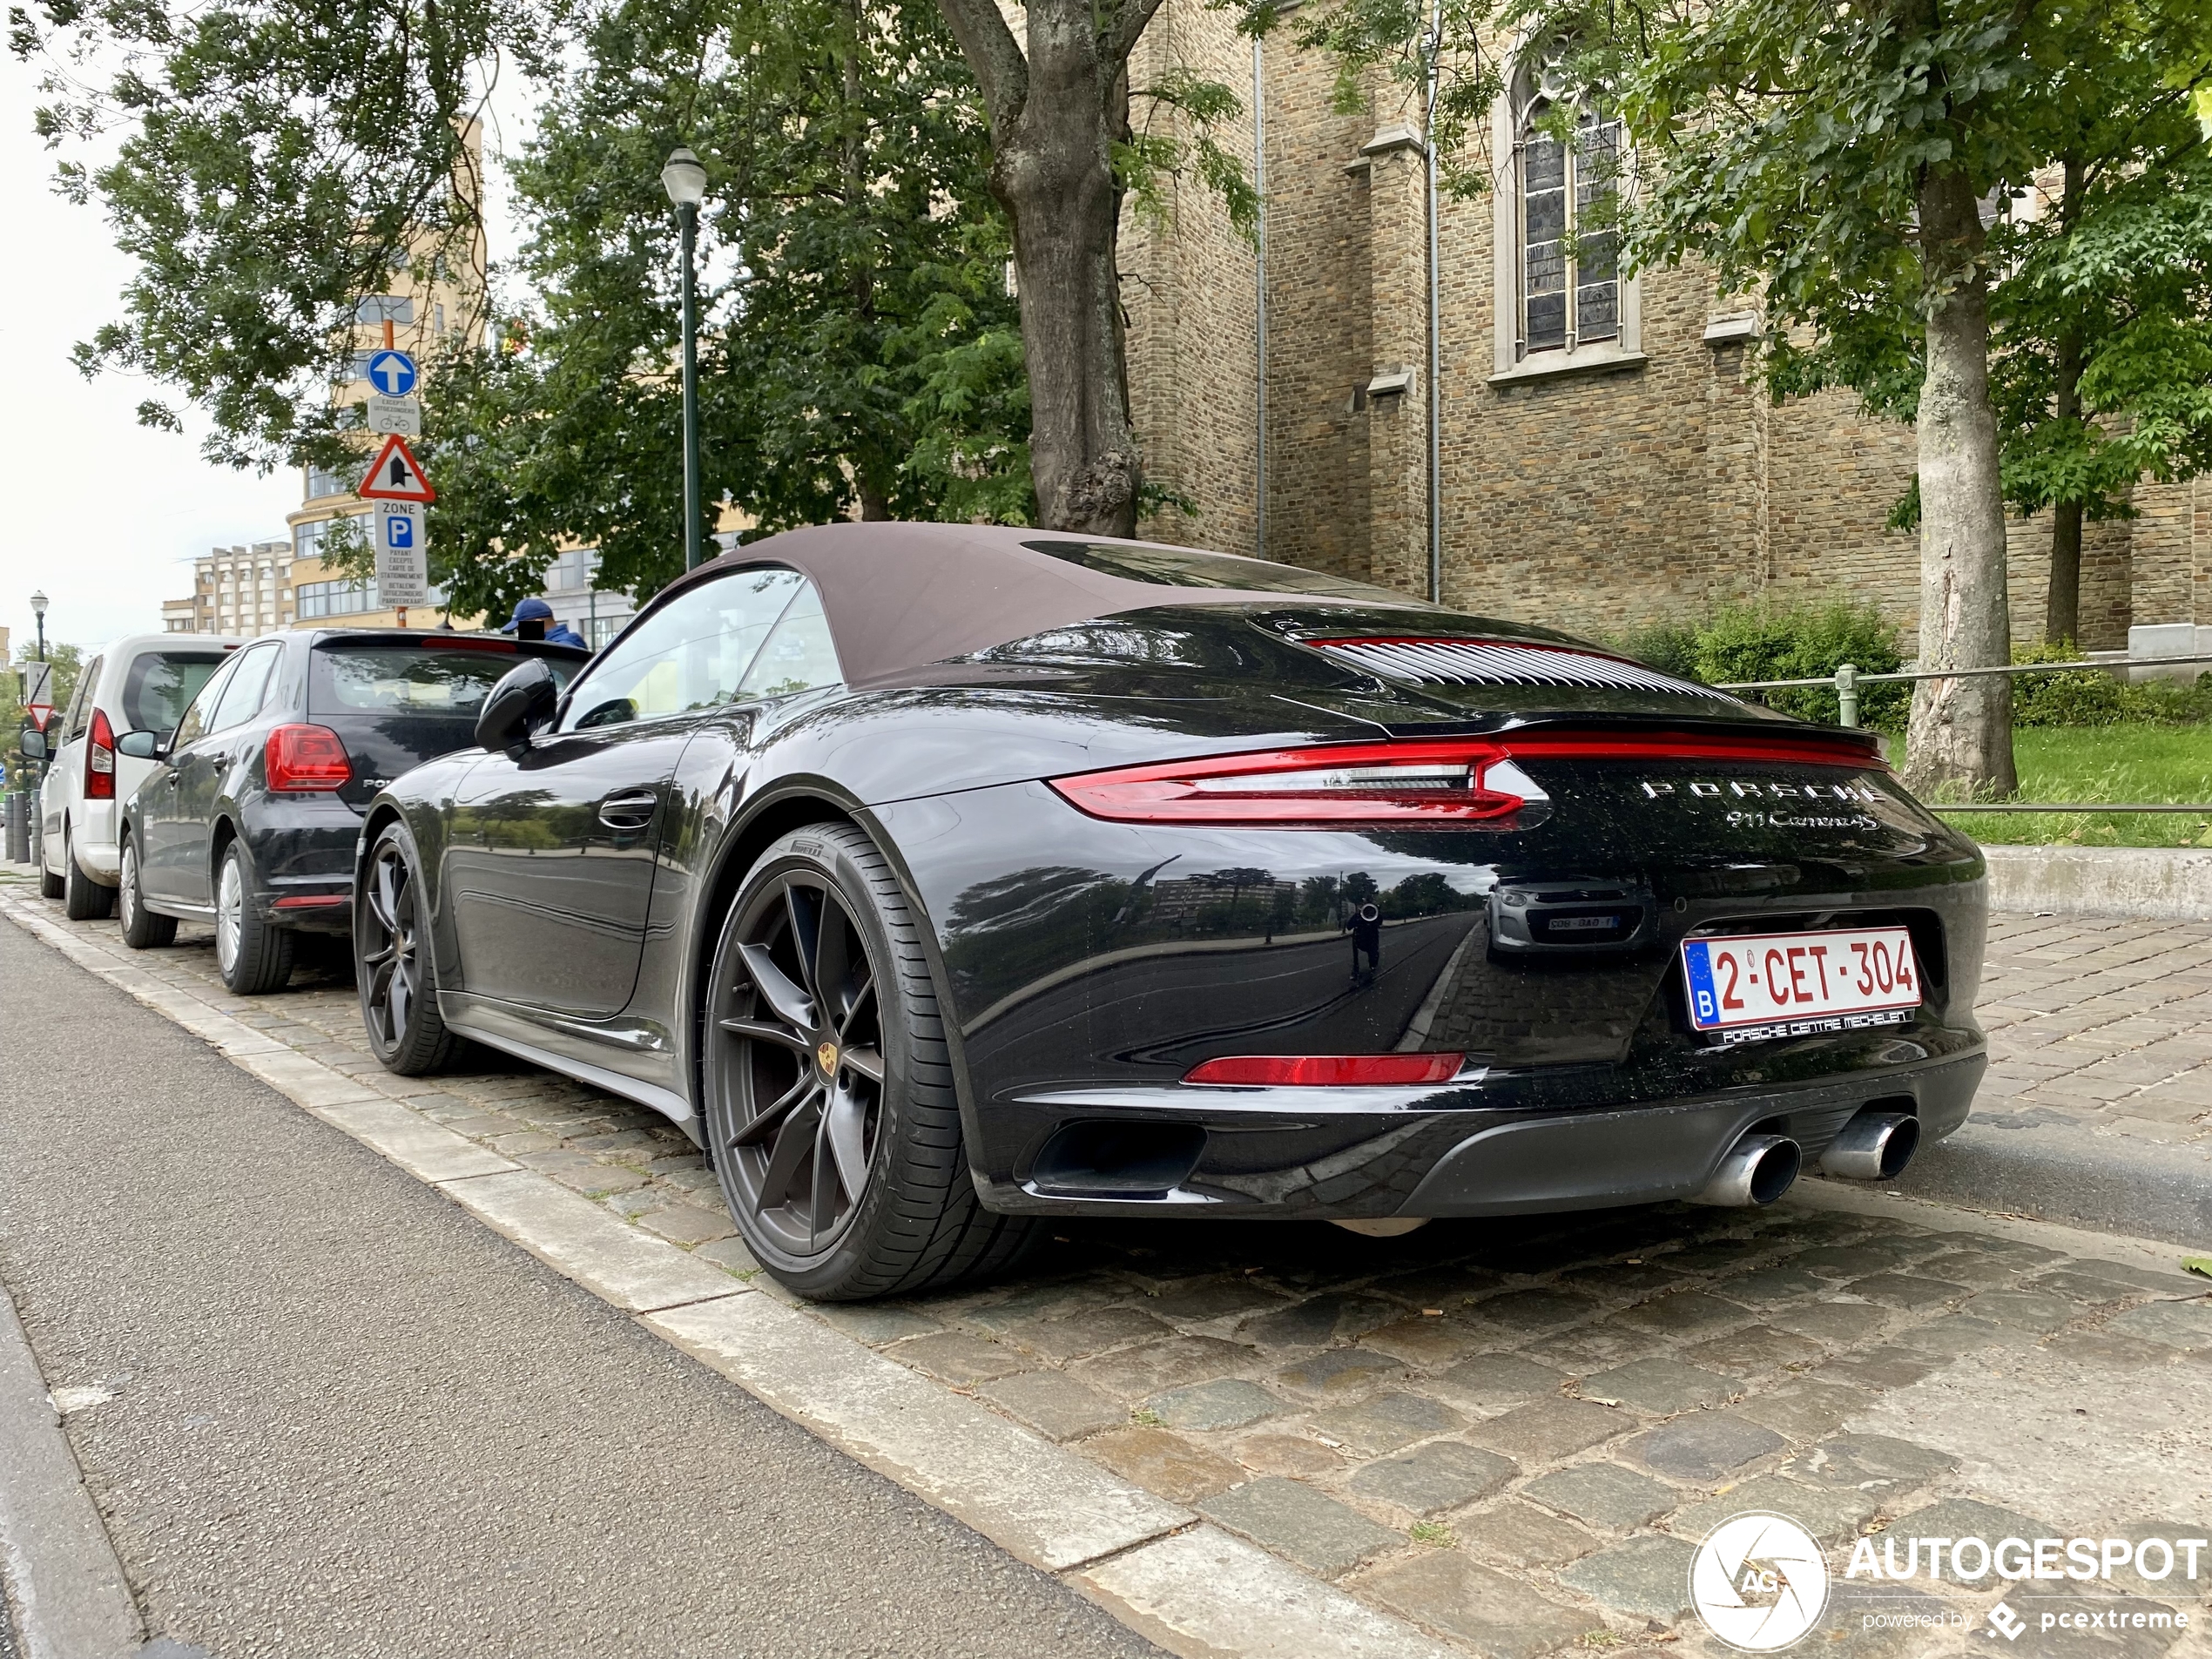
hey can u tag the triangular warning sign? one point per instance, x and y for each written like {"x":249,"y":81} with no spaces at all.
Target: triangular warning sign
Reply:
{"x":395,"y":476}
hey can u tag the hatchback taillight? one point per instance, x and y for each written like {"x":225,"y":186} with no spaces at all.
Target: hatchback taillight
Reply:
{"x":1324,"y":1070}
{"x":1359,"y":783}
{"x":305,"y":757}
{"x":99,"y":760}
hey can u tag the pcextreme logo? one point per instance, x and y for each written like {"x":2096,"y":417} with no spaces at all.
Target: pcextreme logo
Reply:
{"x":1758,"y":1581}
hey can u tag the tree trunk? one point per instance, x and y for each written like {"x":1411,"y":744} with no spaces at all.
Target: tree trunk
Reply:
{"x":1961,"y":730}
{"x":2062,"y":602}
{"x":1055,"y":110}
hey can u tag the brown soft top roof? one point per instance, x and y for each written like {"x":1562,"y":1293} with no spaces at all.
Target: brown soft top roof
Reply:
{"x":899,"y":597}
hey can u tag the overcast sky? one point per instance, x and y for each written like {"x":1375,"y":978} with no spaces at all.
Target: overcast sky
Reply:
{"x":104,"y":514}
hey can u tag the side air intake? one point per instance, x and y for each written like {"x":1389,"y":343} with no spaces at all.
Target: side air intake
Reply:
{"x":1497,"y":662}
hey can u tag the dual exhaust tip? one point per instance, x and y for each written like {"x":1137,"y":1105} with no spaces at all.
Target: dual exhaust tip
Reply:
{"x":1873,"y":1146}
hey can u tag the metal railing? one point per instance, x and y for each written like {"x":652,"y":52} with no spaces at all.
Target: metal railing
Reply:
{"x":1846,"y":680}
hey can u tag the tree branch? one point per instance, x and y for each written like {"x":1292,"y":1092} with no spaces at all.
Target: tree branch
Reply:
{"x":993,"y":58}
{"x":1132,"y":18}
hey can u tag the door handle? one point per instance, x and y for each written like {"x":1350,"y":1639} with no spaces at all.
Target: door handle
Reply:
{"x":631,"y":812}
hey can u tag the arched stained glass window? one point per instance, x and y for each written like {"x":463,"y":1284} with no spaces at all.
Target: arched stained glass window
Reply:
{"x":1569,"y":266}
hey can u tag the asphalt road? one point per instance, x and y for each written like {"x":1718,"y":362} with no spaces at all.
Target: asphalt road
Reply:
{"x":347,"y":1419}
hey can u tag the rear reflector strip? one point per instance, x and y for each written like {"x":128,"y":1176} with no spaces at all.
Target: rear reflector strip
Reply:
{"x":1499,"y":662}
{"x":1327,"y":1071}
{"x":311,"y":901}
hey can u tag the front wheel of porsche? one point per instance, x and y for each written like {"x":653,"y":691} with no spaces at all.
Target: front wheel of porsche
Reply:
{"x":394,"y":965}
{"x":830,"y":1108}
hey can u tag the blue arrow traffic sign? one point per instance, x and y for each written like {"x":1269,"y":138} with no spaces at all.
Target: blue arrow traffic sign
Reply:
{"x":392,"y":373}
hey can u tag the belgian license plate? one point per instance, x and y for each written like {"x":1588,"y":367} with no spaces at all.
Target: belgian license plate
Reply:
{"x":1744,"y":988}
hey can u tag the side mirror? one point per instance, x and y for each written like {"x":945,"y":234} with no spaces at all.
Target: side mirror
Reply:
{"x":143,"y":745}
{"x":524,"y":701}
{"x":33,"y":743}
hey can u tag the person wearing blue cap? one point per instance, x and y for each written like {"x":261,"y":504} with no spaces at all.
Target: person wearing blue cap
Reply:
{"x":533,"y":619}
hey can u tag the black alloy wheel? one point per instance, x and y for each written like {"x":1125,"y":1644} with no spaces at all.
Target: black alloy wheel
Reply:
{"x":830,"y":1111}
{"x":393,"y":963}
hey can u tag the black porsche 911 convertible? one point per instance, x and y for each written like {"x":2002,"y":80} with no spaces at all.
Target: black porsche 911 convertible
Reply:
{"x":940,"y":880}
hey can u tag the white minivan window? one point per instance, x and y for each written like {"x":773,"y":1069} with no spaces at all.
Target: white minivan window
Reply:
{"x":161,"y":685}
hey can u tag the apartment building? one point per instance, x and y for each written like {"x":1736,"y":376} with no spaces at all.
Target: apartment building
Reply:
{"x":235,"y":590}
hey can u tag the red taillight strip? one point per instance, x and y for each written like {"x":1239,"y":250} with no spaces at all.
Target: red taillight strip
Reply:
{"x":1171,"y":791}
{"x":1327,"y":1071}
{"x":1856,"y":753}
{"x":1168,"y":793}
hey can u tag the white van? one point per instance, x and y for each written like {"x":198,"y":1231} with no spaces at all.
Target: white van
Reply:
{"x":141,"y":683}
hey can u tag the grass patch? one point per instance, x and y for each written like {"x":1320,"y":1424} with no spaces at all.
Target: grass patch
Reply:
{"x":2114,"y":763}
{"x":1434,"y":1533}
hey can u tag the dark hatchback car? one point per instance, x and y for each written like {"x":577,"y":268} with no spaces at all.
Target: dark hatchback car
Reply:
{"x":250,"y":820}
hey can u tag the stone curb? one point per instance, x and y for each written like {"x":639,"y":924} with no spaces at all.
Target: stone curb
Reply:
{"x":67,"y":1590}
{"x":1190,"y":1589}
{"x":2162,"y":884}
{"x":2071,"y":1174}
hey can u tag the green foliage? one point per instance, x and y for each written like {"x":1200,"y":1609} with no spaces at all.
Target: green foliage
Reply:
{"x":277,"y":161}
{"x":1755,"y":642}
{"x":858,"y":352}
{"x":2092,"y":697}
{"x":2111,"y":762}
{"x":1146,"y":160}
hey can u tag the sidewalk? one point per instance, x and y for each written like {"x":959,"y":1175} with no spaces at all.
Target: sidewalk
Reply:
{"x":1508,"y":1436}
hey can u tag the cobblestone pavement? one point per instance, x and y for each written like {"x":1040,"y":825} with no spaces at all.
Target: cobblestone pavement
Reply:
{"x":1515,"y":1433}
{"x":2100,"y":1020}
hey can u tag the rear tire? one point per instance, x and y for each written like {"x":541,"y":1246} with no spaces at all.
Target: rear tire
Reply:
{"x":830,"y":1114}
{"x":83,"y":899}
{"x":394,"y":965}
{"x":142,"y":930}
{"x":254,"y":955}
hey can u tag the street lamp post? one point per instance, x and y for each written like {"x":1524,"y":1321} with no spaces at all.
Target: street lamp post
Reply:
{"x":39,"y":610}
{"x":684,"y":180}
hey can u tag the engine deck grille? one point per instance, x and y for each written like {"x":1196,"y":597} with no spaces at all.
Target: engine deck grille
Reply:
{"x":1497,"y":662}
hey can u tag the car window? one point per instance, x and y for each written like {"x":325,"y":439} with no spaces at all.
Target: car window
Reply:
{"x":242,"y":696}
{"x":161,"y":683}
{"x":80,"y":706}
{"x":693,"y":653}
{"x":196,"y":723}
{"x":799,"y":654}
{"x":349,"y":678}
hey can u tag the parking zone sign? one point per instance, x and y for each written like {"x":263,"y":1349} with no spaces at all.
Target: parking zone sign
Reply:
{"x":403,"y":558}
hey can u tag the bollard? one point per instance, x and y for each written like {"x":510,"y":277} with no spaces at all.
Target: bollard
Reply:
{"x":18,"y":848}
{"x":1846,"y":694}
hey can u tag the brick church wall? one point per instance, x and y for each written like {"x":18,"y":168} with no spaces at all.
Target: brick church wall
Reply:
{"x":1591,"y":501}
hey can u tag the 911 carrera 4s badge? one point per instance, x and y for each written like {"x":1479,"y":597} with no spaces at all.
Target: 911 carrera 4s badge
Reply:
{"x":1744,"y":988}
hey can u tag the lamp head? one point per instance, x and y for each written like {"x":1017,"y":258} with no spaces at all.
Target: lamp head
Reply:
{"x":37,"y":604}
{"x":683,"y":179}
